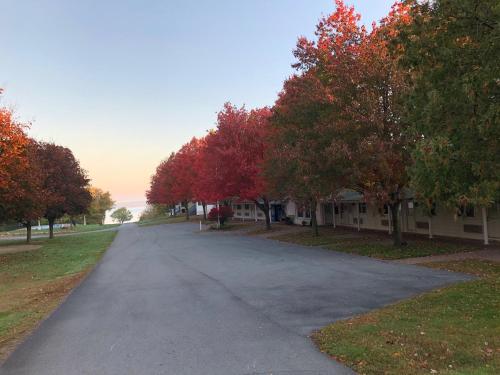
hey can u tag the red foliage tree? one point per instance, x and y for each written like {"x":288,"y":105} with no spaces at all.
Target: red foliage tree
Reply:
{"x":65,"y":183}
{"x":202,"y":189}
{"x":20,"y":178}
{"x":161,"y":183}
{"x":176,"y":179}
{"x":220,"y":214}
{"x":360,"y":72}
{"x":307,"y":162}
{"x":13,"y":156}
{"x":234,"y":156}
{"x":26,"y":204}
{"x":184,"y":174}
{"x":227,"y":163}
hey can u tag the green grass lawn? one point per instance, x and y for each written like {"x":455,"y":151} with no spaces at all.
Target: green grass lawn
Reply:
{"x":373,"y":244}
{"x":233,"y":225}
{"x":454,"y":330}
{"x":33,"y":283}
{"x":261,"y":229}
{"x":94,"y":227}
{"x":79,"y":229}
{"x":168,"y":220}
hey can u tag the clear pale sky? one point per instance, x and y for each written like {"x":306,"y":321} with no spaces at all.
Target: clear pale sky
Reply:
{"x":125,"y":82}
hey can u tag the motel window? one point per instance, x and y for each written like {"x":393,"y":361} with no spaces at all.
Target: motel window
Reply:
{"x":362,"y":208}
{"x":238,"y":207}
{"x":423,"y":208}
{"x":300,"y":212}
{"x":308,"y":213}
{"x":247,"y":214}
{"x":247,"y":206}
{"x":433,"y":209}
{"x":467,"y":211}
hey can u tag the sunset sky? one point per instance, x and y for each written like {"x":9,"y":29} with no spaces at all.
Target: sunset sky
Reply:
{"x":123,"y":83}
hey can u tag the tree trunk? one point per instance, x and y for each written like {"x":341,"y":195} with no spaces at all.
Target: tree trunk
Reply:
{"x":51,"y":227}
{"x":28,"y":231}
{"x":264,"y":207}
{"x":334,"y":218}
{"x":396,"y":228}
{"x":204,"y":211}
{"x":218,"y":215}
{"x":358,"y":217}
{"x":314,"y":219}
{"x":484,"y":215}
{"x":267,"y":216}
{"x":186,"y":204}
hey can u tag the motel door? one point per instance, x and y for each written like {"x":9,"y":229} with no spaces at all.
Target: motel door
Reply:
{"x":408,"y":215}
{"x":328,"y":213}
{"x":277,"y":212}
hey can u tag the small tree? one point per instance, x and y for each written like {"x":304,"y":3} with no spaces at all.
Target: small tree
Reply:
{"x":13,"y":143}
{"x":220,"y":214}
{"x":101,"y":202}
{"x":28,"y":205}
{"x":122,"y":215}
{"x":64,"y":181}
{"x":154,"y":211}
{"x":13,"y":159}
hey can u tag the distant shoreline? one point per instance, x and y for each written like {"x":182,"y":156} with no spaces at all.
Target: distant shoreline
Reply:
{"x":136,"y":207}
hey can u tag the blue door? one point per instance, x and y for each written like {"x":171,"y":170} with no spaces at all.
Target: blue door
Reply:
{"x":277,"y":212}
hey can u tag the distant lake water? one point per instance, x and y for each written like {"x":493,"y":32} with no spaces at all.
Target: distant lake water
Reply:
{"x":136,"y":207}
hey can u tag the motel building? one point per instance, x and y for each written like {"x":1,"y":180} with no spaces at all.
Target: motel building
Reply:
{"x":198,"y":210}
{"x":349,"y":209}
{"x":248,"y":211}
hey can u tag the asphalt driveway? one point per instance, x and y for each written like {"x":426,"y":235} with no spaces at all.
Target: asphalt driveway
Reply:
{"x":166,"y":300}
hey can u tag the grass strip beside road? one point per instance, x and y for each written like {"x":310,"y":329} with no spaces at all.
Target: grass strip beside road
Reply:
{"x":373,"y":245}
{"x":21,"y":232}
{"x":168,"y":220}
{"x":34,"y":283}
{"x":453,"y":330}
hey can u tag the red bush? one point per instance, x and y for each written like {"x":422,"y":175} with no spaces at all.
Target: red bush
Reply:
{"x":222,"y":213}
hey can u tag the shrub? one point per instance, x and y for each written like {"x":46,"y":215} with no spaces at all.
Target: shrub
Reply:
{"x":222,"y":213}
{"x":153,"y":212}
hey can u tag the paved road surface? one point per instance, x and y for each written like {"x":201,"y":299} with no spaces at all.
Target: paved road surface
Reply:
{"x":165,"y":300}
